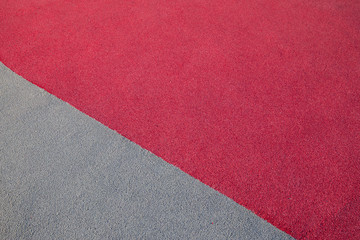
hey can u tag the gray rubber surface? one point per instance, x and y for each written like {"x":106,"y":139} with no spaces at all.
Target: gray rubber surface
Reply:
{"x":64,"y":175}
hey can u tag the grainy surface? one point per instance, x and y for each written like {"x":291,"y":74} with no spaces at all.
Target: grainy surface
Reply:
{"x":64,"y":175}
{"x":258,"y":99}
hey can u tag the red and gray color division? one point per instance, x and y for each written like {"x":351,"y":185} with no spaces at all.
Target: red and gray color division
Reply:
{"x":260,"y":100}
{"x":66,"y":176}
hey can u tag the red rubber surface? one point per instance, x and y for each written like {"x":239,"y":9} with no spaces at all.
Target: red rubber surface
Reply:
{"x":258,"y":99}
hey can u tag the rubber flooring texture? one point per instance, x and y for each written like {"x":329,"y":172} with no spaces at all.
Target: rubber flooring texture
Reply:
{"x":259,"y":99}
{"x":63,"y":175}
